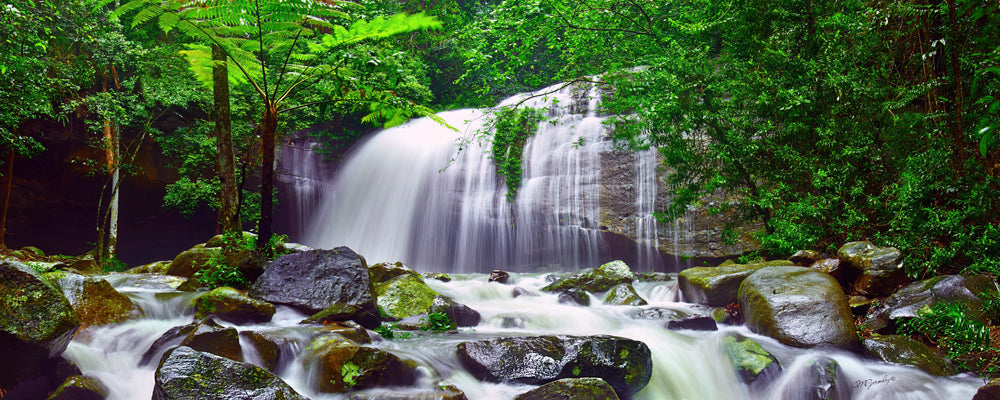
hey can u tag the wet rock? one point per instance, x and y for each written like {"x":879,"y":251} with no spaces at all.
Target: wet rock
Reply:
{"x":716,"y":286}
{"x":95,"y":301}
{"x":594,"y":280}
{"x":383,"y":272}
{"x":499,"y":276}
{"x":443,"y":277}
{"x":250,"y":263}
{"x":751,"y":360}
{"x":694,"y":323}
{"x":80,"y":387}
{"x":965,"y":290}
{"x":623,"y":295}
{"x":186,"y":373}
{"x":404,"y":296}
{"x":822,"y":379}
{"x":511,"y":322}
{"x":903,"y":350}
{"x":520,"y":291}
{"x":269,"y":347}
{"x":158,"y":267}
{"x":804,"y":258}
{"x":342,"y":312}
{"x":231,"y":305}
{"x":830,"y":266}
{"x":624,"y":363}
{"x":653,"y":277}
{"x":880,"y":269}
{"x":798,"y":306}
{"x":461,"y":314}
{"x":191,"y":261}
{"x":571,"y":389}
{"x":574,"y":296}
{"x":348,"y":330}
{"x":205,"y":335}
{"x":147,"y":281}
{"x":656,"y":313}
{"x":989,"y":391}
{"x":220,"y":240}
{"x":445,"y":392}
{"x":84,"y":263}
{"x":342,"y":365}
{"x":315,"y":280}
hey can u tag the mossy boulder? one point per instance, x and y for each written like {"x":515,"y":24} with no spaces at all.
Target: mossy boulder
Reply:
{"x":404,"y":296}
{"x":80,"y":387}
{"x":594,"y":280}
{"x":571,"y":389}
{"x":185,"y":373}
{"x":146,"y":281}
{"x":442,"y":392}
{"x":231,"y":305}
{"x":191,"y":261}
{"x":798,"y":306}
{"x":623,"y":295}
{"x":220,"y":240}
{"x":879,"y":270}
{"x":575,"y":296}
{"x":341,"y":312}
{"x":749,"y":358}
{"x":460,"y":314}
{"x":383,"y":272}
{"x":969,"y":291}
{"x":899,"y":349}
{"x":205,"y":335}
{"x":989,"y":391}
{"x":158,"y":267}
{"x":625,"y":364}
{"x":94,"y":300}
{"x":717,"y":286}
{"x":342,"y":365}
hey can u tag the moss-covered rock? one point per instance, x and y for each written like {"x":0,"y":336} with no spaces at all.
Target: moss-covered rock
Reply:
{"x":904,"y":350}
{"x":623,"y":295}
{"x":342,"y":312}
{"x":571,"y":389}
{"x":146,"y":281}
{"x":989,"y":391}
{"x":404,"y":296}
{"x":594,"y":280}
{"x":186,"y":373}
{"x":94,"y":300}
{"x":969,"y":291}
{"x":441,"y":276}
{"x":220,"y":240}
{"x":717,"y":286}
{"x":575,"y":296}
{"x":158,"y":267}
{"x":460,"y":314}
{"x":383,"y":272}
{"x":205,"y":335}
{"x":80,"y":387}
{"x":798,"y":306}
{"x":624,"y":363}
{"x":191,"y":261}
{"x":231,"y":305}
{"x":751,"y":360}
{"x":879,"y":269}
{"x":342,"y":365}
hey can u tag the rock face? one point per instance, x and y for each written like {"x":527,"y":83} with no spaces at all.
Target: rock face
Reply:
{"x":600,"y":279}
{"x":798,"y":306}
{"x":36,"y":325}
{"x":343,"y":365}
{"x":95,"y":301}
{"x":315,"y":280}
{"x":186,"y":373}
{"x":229,"y":304}
{"x":623,"y":295}
{"x":624,"y":363}
{"x":909,"y":300}
{"x":717,"y":286}
{"x":205,"y":335}
{"x":572,"y":389}
{"x":903,"y":350}
{"x":879,"y":269}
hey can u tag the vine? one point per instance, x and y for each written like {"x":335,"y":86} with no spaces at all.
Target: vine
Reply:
{"x":511,"y":129}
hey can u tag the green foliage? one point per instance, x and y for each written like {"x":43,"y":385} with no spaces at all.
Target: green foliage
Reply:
{"x":949,"y":327}
{"x":387,"y":331}
{"x":349,"y":373}
{"x":113,"y":264}
{"x":218,"y":273}
{"x":437,"y":321}
{"x":511,"y":129}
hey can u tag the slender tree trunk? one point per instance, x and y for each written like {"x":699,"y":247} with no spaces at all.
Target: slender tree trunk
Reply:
{"x":269,"y":126}
{"x":6,"y":200}
{"x":229,"y":220}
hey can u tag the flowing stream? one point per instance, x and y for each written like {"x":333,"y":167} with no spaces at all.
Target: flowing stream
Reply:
{"x":686,"y":364}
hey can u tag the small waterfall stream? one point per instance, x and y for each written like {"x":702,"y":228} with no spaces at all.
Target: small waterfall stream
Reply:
{"x":686,"y":364}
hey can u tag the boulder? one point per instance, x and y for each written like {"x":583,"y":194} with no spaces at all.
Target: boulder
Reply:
{"x":441,"y":276}
{"x":444,"y":392}
{"x":80,"y":387}
{"x":821,"y":379}
{"x":185,"y":373}
{"x":571,"y":389}
{"x":594,"y":280}
{"x":574,"y":296}
{"x":751,"y":360}
{"x":341,"y":312}
{"x":989,"y":391}
{"x":317,"y":279}
{"x":624,"y":363}
{"x":879,"y":269}
{"x":499,"y":276}
{"x":158,"y":267}
{"x":905,"y":303}
{"x":804,"y":258}
{"x":205,"y":335}
{"x":191,"y":261}
{"x":342,"y":365}
{"x":623,"y":295}
{"x":653,"y":277}
{"x":461,"y":314}
{"x":694,"y":323}
{"x":146,"y":281}
{"x":383,"y":272}
{"x":404,"y":296}
{"x":95,"y":301}
{"x":798,"y":306}
{"x":220,"y":239}
{"x":231,"y":305}
{"x":653,"y":313}
{"x":250,"y":263}
{"x":717,"y":286}
{"x":899,"y":349}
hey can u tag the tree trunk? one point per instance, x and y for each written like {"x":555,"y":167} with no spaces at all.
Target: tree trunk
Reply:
{"x":229,"y":220}
{"x":6,"y":200}
{"x":269,"y":126}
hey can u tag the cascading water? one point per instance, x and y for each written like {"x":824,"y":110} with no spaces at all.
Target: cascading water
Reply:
{"x":408,"y":194}
{"x":686,"y":364}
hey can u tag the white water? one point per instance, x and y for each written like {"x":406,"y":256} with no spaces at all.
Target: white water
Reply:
{"x":686,"y":364}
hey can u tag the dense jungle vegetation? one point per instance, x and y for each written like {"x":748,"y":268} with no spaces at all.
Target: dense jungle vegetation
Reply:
{"x":832,"y":121}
